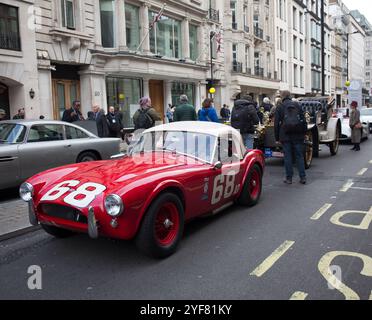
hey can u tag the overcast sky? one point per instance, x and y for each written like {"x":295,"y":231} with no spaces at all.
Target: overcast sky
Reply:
{"x":364,"y":6}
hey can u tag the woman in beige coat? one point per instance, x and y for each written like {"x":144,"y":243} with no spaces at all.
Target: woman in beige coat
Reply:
{"x":355,"y":126}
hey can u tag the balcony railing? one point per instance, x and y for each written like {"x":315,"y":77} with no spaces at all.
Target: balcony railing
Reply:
{"x":237,"y":67}
{"x":10,"y":41}
{"x":258,"y":32}
{"x":214,"y":15}
{"x":259,"y":72}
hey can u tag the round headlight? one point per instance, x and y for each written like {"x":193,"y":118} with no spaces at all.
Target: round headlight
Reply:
{"x":114,"y":205}
{"x":26,"y":191}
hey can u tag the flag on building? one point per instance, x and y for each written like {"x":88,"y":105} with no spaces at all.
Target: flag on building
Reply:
{"x":219,"y":41}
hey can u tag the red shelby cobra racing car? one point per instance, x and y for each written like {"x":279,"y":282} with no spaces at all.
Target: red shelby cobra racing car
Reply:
{"x":173,"y":173}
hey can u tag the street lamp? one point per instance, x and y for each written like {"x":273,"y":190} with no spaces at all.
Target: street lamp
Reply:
{"x":211,"y":37}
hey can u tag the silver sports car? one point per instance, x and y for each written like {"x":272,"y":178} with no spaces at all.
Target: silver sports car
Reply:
{"x":29,"y":147}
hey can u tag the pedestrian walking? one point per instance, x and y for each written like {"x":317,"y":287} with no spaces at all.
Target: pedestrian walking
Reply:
{"x":20,"y":115}
{"x":225,"y":112}
{"x":73,"y":114}
{"x":244,"y":118}
{"x":169,"y":113}
{"x":184,"y":111}
{"x":2,"y":114}
{"x":278,"y":102}
{"x":146,"y":116}
{"x":114,"y":123}
{"x":355,"y":126}
{"x":290,"y":129}
{"x":208,"y":112}
{"x":101,"y":122}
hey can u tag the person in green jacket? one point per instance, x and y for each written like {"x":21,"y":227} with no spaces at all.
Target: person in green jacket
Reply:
{"x":185,"y":111}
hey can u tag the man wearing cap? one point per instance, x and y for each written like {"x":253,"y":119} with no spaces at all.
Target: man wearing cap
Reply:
{"x":2,"y":114}
{"x":185,"y":111}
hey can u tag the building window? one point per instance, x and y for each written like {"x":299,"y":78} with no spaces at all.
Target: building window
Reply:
{"x":295,"y":47}
{"x":193,"y":31}
{"x":233,"y":14}
{"x":294,"y":18}
{"x":68,"y":14}
{"x":302,"y":77}
{"x":132,"y":26}
{"x":281,"y":40}
{"x":368,"y":62}
{"x":235,"y":53}
{"x":301,"y":22}
{"x":165,"y":37}
{"x":125,"y":94}
{"x":295,"y":75}
{"x":107,"y":23}
{"x":9,"y":28}
{"x":180,"y":88}
{"x":247,"y":59}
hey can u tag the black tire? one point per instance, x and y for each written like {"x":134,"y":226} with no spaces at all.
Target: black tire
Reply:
{"x":86,"y":157}
{"x":247,"y":197}
{"x":334,"y":146}
{"x":57,"y":232}
{"x":147,"y":239}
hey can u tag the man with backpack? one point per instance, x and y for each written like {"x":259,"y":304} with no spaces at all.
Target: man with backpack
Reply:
{"x":290,"y":129}
{"x":146,"y":116}
{"x":244,"y":118}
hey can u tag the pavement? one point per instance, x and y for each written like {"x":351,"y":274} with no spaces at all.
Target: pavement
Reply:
{"x":280,"y":249}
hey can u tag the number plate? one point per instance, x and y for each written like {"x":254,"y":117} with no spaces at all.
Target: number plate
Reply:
{"x":278,"y":154}
{"x":268,"y":153}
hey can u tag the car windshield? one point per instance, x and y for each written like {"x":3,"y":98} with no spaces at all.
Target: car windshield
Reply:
{"x":198,"y":145}
{"x":366,"y":112}
{"x":12,"y":133}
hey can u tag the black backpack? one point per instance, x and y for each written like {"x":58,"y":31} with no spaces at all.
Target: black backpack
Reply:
{"x":143,"y":121}
{"x":292,"y":123}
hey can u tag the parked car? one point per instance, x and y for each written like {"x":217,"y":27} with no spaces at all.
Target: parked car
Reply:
{"x":366,"y":116}
{"x":29,"y":147}
{"x":343,"y":114}
{"x":174,"y":173}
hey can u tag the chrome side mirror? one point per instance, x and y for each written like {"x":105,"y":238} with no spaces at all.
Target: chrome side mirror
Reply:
{"x":217,"y":165}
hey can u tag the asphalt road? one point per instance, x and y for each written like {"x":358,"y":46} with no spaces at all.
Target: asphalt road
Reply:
{"x":271,"y":251}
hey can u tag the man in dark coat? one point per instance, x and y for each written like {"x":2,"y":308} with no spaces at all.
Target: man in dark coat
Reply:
{"x":114,"y":122}
{"x":290,"y":129}
{"x":244,"y":118}
{"x":73,"y":114}
{"x":101,"y":121}
{"x":225,"y":112}
{"x":184,"y":111}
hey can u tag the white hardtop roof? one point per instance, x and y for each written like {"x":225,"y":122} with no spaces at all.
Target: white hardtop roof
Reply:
{"x":211,"y":128}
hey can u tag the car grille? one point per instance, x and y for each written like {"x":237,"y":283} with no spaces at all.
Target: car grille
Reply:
{"x":67,"y":213}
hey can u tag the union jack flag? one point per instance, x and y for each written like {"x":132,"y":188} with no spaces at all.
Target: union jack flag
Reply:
{"x":157,"y":18}
{"x":218,"y":38}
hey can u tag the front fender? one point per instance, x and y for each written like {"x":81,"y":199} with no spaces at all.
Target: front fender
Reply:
{"x":333,"y":125}
{"x":256,"y":158}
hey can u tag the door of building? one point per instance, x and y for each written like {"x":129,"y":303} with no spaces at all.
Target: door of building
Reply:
{"x":156,"y":89}
{"x":4,"y":100}
{"x":65,"y":92}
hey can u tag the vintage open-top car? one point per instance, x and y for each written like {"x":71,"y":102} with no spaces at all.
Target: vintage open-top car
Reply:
{"x":175,"y":172}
